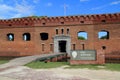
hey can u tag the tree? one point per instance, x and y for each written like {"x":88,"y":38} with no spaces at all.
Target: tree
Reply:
{"x":81,"y":38}
{"x":38,"y":16}
{"x":104,"y":37}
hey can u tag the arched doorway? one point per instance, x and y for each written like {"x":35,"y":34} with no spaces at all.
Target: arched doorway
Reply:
{"x":62,"y":44}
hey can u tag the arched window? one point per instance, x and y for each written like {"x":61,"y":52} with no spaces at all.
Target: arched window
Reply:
{"x":82,"y":35}
{"x":62,"y":31}
{"x":10,"y":37}
{"x":68,"y":30}
{"x":56,"y":31}
{"x":26,"y":37}
{"x":103,"y":34}
{"x":44,"y":36}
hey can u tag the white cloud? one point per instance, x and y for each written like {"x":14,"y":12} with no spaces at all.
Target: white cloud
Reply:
{"x":49,"y":4}
{"x":16,"y":10}
{"x":115,"y":2}
{"x":99,"y":7}
{"x":5,"y":9}
{"x":16,"y":15}
{"x":36,"y":1}
{"x":106,"y":5}
{"x":1,"y":17}
{"x":83,"y":0}
{"x":24,"y":9}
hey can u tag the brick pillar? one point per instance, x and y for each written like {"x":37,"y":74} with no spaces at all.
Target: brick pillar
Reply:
{"x":101,"y":56}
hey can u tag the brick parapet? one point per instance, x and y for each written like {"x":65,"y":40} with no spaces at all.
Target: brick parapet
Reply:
{"x":64,"y":20}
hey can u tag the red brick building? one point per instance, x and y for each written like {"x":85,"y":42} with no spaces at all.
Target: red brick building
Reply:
{"x":30,"y":36}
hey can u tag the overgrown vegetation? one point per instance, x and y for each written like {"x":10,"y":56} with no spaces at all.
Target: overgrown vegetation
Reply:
{"x":37,"y":16}
{"x":43,"y":65}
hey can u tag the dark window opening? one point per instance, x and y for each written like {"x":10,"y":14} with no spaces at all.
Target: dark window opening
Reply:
{"x":10,"y":37}
{"x":26,"y":37}
{"x":26,"y":24}
{"x":44,"y":23}
{"x":103,"y":34}
{"x":73,"y":46}
{"x":103,"y":47}
{"x":56,"y":31}
{"x":62,"y":22}
{"x":62,"y":31}
{"x":44,"y":36}
{"x":82,"y":35}
{"x":62,"y":46}
{"x":42,"y":47}
{"x":81,"y":21}
{"x":83,"y":46}
{"x":10,"y":25}
{"x":103,"y":21}
{"x":68,"y":31}
{"x":51,"y":47}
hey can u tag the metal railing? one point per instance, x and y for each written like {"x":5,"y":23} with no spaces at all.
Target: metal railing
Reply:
{"x":113,"y":57}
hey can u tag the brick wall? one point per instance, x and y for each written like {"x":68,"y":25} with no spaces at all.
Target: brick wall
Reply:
{"x":91,"y":24}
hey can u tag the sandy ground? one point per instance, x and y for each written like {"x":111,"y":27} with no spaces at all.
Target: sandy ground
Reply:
{"x":25,"y":73}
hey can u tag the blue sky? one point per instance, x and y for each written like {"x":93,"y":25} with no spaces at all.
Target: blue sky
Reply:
{"x":21,"y":8}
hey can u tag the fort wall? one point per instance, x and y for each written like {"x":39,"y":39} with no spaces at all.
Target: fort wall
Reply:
{"x":92,"y":24}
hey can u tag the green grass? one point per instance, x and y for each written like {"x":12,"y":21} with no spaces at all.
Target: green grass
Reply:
{"x":89,"y":66}
{"x":112,"y":67}
{"x":42,"y":65}
{"x":3,"y":61}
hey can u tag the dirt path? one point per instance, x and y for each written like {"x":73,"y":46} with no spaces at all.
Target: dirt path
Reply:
{"x":25,"y":73}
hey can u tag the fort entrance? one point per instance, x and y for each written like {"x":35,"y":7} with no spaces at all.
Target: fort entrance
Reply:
{"x":62,"y":44}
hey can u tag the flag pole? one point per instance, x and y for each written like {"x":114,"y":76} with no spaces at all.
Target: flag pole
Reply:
{"x":64,"y":9}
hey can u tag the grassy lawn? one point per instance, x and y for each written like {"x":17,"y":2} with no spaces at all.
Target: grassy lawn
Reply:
{"x":113,"y":67}
{"x":3,"y":61}
{"x":42,"y":65}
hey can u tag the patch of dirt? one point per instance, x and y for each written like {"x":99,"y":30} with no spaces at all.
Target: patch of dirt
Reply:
{"x":25,"y":73}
